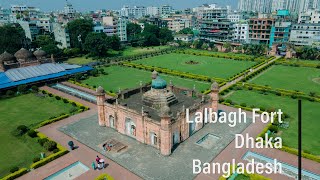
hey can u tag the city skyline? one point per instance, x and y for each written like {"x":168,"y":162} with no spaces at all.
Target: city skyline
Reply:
{"x":80,"y":5}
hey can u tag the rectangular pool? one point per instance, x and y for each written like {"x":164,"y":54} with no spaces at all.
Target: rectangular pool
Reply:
{"x":70,"y":172}
{"x":287,"y":170}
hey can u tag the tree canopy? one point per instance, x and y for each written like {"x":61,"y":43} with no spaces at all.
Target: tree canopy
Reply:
{"x":11,"y":38}
{"x":96,"y":44}
{"x":186,"y":31}
{"x":78,"y":31}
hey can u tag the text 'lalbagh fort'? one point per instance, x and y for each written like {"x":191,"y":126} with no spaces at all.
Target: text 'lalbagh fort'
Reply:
{"x":155,"y":115}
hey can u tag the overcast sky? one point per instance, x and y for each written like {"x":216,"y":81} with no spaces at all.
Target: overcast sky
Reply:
{"x":86,"y":5}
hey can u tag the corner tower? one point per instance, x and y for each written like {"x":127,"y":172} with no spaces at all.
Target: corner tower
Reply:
{"x":101,"y":98}
{"x":165,"y":131}
{"x":214,"y":96}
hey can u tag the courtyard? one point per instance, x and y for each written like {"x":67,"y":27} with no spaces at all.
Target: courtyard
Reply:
{"x":146,"y":161}
{"x":203,"y":65}
{"x":310,"y":110}
{"x":26,"y":110}
{"x":126,"y":78}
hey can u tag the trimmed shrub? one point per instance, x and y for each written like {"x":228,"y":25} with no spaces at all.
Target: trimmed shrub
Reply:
{"x":32,"y":133}
{"x":104,"y":176}
{"x":50,"y":145}
{"x":16,"y":174}
{"x":55,"y":150}
{"x":274,"y":128}
{"x":65,"y":100}
{"x":10,"y":93}
{"x":48,"y":159}
{"x":42,"y":141}
{"x":58,"y":98}
{"x":14,"y":169}
{"x":36,"y":159}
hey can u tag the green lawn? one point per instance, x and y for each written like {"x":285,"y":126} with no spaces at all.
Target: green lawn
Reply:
{"x":130,"y":51}
{"x":125,"y":77}
{"x":24,"y":110}
{"x":310,"y":117}
{"x":219,"y":53}
{"x":209,"y":66}
{"x":291,"y":78}
{"x":80,"y":60}
{"x":305,"y":61}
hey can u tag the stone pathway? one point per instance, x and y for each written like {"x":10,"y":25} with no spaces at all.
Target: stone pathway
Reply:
{"x":230,"y":83}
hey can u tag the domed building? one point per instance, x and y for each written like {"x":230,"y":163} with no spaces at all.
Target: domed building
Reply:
{"x":23,"y":58}
{"x":6,"y":59}
{"x":156,"y":114}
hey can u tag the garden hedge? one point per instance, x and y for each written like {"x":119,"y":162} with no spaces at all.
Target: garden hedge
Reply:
{"x":62,"y":151}
{"x":16,"y":174}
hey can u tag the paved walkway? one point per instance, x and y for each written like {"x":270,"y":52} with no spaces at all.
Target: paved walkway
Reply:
{"x":230,"y":83}
{"x":230,"y":152}
{"x":83,"y":153}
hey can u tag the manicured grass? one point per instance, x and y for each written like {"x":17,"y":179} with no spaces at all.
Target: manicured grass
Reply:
{"x":218,"y":53}
{"x":26,"y":110}
{"x":316,"y":62}
{"x":130,"y":51}
{"x":80,"y":60}
{"x":310,"y":117}
{"x":209,"y":66}
{"x":125,"y":77}
{"x":291,"y":78}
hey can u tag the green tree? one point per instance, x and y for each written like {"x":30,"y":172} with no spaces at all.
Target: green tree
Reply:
{"x":113,"y":42}
{"x":78,"y":31}
{"x":48,"y":44}
{"x":165,"y":35}
{"x":133,"y":31}
{"x":307,"y":52}
{"x":96,"y":44}
{"x":186,"y":31}
{"x":11,"y":38}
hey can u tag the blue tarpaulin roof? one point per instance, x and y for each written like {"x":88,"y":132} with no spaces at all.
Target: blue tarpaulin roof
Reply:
{"x":6,"y":82}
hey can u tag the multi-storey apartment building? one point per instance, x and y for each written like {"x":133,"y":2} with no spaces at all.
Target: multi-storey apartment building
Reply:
{"x":213,"y":24}
{"x":31,"y":13}
{"x":30,"y":28}
{"x":177,"y":24}
{"x":4,"y":16}
{"x":280,"y":30}
{"x":133,"y":12}
{"x":305,"y":35}
{"x":241,"y":32}
{"x":261,"y":6}
{"x":152,"y":11}
{"x":260,"y":30}
{"x":310,"y":16}
{"x":61,"y":35}
{"x":165,"y":9}
{"x":235,"y":17}
{"x":114,"y":26}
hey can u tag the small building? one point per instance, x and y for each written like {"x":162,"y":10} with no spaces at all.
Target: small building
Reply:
{"x":156,"y":115}
{"x":183,"y":37}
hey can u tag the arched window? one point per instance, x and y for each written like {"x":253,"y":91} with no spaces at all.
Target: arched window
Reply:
{"x":111,"y":121}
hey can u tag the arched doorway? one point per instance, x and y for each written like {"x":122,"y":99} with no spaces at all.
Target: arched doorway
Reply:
{"x":111,"y":121}
{"x":153,"y":139}
{"x":192,"y":125}
{"x":130,"y":127}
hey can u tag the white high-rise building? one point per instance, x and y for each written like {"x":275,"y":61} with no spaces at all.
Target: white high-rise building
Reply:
{"x":311,"y":16}
{"x":152,"y":11}
{"x":165,"y":9}
{"x":135,"y":11}
{"x":261,"y":6}
{"x":291,"y":5}
{"x":305,"y":5}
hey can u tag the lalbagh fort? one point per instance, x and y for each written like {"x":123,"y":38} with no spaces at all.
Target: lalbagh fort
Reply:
{"x":155,"y":115}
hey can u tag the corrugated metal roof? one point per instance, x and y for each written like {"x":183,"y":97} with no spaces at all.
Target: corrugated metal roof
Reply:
{"x":38,"y":73}
{"x":19,"y":74}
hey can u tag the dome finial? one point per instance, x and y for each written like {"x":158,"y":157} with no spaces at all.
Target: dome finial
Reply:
{"x":214,"y":86}
{"x":154,"y":74}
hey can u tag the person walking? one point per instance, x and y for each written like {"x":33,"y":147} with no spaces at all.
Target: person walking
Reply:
{"x":102,"y":163}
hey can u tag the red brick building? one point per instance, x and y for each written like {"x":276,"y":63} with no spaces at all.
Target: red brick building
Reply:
{"x":156,"y":115}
